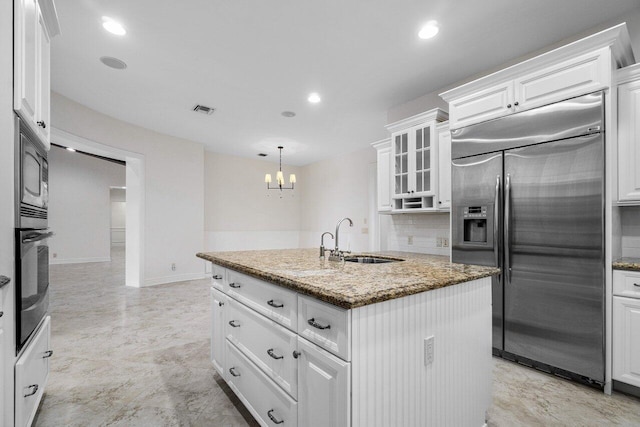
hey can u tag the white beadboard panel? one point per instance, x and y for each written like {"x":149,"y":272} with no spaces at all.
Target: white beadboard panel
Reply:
{"x":393,"y":387}
{"x":251,"y":240}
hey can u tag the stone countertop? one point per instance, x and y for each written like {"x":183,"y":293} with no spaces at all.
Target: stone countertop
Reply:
{"x":349,"y":284}
{"x":632,"y":264}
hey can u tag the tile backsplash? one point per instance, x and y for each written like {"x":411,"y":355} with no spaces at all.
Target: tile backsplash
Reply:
{"x":415,"y":233}
{"x":630,"y":216}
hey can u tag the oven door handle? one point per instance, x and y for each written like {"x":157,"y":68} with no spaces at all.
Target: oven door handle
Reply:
{"x":37,"y":236}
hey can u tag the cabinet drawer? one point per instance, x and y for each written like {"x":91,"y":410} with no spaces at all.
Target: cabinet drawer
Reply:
{"x":267,"y":344}
{"x":325,"y":325}
{"x":32,"y":372}
{"x":272,"y":301}
{"x":481,"y":106}
{"x":219,"y":301}
{"x":262,"y":397}
{"x":218,"y":277}
{"x":626,"y":283}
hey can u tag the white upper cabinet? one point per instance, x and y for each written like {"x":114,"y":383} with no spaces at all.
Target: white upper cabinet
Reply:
{"x":35,"y":22}
{"x":576,"y":69}
{"x":383,"y":187}
{"x":444,"y":165}
{"x":414,"y":162}
{"x":629,"y":134}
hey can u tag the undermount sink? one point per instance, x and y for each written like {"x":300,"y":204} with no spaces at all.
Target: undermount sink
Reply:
{"x":371,"y":259}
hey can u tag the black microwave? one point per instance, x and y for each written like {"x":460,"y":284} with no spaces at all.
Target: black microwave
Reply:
{"x":32,"y":179}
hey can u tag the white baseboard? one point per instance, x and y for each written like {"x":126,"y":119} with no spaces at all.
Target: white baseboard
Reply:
{"x":170,"y":279}
{"x":78,"y":260}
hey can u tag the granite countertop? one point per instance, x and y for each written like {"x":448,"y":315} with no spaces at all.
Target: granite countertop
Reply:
{"x":632,"y":264}
{"x":349,"y":284}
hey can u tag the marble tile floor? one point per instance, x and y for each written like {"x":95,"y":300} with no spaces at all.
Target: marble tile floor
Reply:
{"x":140,"y":357}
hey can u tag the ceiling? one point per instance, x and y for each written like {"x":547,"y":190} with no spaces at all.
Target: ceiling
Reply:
{"x":254,"y":59}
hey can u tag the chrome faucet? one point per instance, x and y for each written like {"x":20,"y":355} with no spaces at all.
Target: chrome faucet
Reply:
{"x":337,"y":254}
{"x":322,"y":243}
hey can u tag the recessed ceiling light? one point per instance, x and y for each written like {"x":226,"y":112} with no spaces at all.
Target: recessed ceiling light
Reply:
{"x":114,"y":27}
{"x":73,"y":150}
{"x":314,"y":98}
{"x":429,"y":30}
{"x":288,"y":114}
{"x":112,"y":62}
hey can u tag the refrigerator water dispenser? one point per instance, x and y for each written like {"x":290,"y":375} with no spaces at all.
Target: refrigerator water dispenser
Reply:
{"x":475,"y":224}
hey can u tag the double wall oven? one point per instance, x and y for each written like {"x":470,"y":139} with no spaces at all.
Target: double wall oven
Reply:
{"x":31,"y":233}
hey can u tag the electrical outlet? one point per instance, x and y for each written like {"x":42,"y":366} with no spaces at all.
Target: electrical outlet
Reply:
{"x":428,"y":350}
{"x":445,"y":242}
{"x":55,"y":255}
{"x":409,"y":240}
{"x":365,"y":230}
{"x":438,"y":242}
{"x":173,"y":266}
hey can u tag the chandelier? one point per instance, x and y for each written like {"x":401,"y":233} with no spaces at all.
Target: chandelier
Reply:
{"x":280,"y":177}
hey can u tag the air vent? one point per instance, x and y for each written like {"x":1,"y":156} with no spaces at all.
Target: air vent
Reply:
{"x":112,"y":62}
{"x":32,"y":212}
{"x":203,"y":109}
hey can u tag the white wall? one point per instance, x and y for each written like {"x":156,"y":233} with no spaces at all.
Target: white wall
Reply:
{"x":118,"y":216}
{"x":630,"y":218}
{"x":7,"y":356}
{"x":79,"y":207}
{"x":421,"y":229}
{"x":240,"y":213}
{"x":173,"y":180}
{"x":336,"y":188}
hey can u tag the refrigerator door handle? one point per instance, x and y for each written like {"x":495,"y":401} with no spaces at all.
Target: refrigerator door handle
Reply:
{"x":507,"y":231}
{"x":496,"y":226}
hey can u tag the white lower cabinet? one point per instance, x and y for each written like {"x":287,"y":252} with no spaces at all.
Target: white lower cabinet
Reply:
{"x":266,"y":401}
{"x":218,"y":303}
{"x":32,"y":372}
{"x":626,"y":340}
{"x":323,"y":387}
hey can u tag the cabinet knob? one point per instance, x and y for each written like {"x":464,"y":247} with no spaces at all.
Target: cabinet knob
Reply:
{"x":1,"y":313}
{"x":296,"y":354}
{"x":508,"y":105}
{"x":220,"y":303}
{"x":42,"y":124}
{"x":516,"y":103}
{"x":636,"y":284}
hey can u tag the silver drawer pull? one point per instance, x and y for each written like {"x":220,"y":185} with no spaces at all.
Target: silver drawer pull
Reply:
{"x":47,"y":354}
{"x":34,"y":390}
{"x":313,"y":323}
{"x":233,"y":372}
{"x":636,"y":284}
{"x":220,"y":303}
{"x":274,"y":419}
{"x":234,"y":285}
{"x":274,"y":305}
{"x":273,"y":355}
{"x":1,"y":313}
{"x":296,"y":354}
{"x":234,"y":324}
{"x":217,"y":277}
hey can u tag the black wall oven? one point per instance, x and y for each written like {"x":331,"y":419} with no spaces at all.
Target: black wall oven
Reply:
{"x":32,"y":251}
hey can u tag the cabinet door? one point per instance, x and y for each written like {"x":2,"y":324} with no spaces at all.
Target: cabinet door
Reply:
{"x":218,"y":303}
{"x":486,"y":104}
{"x":26,"y":59}
{"x":444,"y":168}
{"x":324,"y":393}
{"x":577,"y":76}
{"x":384,"y":179}
{"x":626,"y":340}
{"x":401,"y":163}
{"x":422,"y":161}
{"x":629,"y":141}
{"x":43,"y":98}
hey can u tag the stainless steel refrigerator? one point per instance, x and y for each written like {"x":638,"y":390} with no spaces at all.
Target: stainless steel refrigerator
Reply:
{"x":528,"y":196}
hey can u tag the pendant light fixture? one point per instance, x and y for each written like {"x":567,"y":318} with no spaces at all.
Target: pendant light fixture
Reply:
{"x":280,"y":177}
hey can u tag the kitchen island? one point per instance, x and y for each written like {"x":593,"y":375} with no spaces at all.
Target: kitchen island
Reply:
{"x":305,"y":341}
